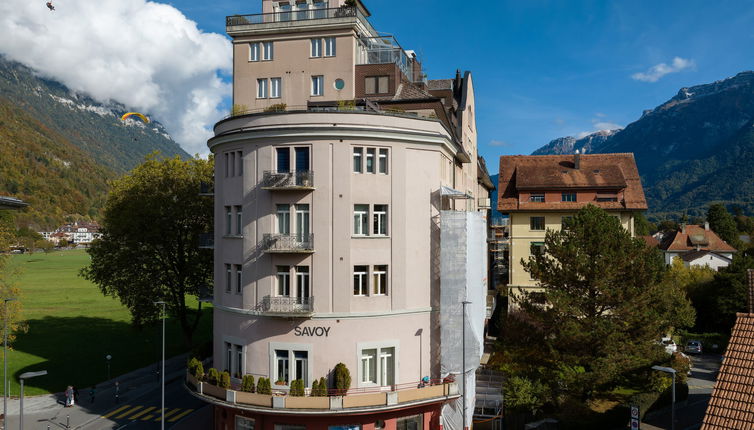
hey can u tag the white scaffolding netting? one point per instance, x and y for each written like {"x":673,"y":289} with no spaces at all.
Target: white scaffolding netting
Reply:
{"x":463,"y":274}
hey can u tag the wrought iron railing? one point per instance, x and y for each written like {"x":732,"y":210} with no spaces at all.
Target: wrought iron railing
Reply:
{"x":272,"y":304}
{"x":207,"y":240}
{"x":288,"y":243}
{"x":299,"y":15}
{"x":288,"y":180}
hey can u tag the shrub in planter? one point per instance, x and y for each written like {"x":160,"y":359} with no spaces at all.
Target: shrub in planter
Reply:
{"x":191,"y":365}
{"x":342,"y":378}
{"x":199,"y":371}
{"x":323,"y":387}
{"x":224,"y":381}
{"x":315,"y":388}
{"x":263,"y":386}
{"x":213,"y":376}
{"x":247,"y":384}
{"x":279,"y":107}
{"x":297,"y":388}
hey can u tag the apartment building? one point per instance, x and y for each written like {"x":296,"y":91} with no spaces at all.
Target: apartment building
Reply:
{"x":345,"y":183}
{"x":539,"y":192}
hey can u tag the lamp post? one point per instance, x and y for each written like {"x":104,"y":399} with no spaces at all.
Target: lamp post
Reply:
{"x":463,"y":359}
{"x":21,"y":377}
{"x":108,"y":357}
{"x":672,"y":402}
{"x":6,"y":385}
{"x":162,"y":372}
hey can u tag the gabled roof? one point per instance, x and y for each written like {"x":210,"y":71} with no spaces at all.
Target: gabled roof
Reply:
{"x":693,"y":255}
{"x":693,"y":237}
{"x":559,"y":172}
{"x":650,"y":241}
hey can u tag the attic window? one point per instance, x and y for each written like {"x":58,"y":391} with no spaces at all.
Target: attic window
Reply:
{"x":596,"y":171}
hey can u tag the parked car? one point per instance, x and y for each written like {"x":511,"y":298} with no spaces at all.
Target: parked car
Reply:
{"x":694,"y":347}
{"x":670,"y":346}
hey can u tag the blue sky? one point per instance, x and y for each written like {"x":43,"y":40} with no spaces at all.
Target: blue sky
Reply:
{"x":547,"y":69}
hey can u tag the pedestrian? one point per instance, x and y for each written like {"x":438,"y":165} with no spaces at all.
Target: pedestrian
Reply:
{"x":92,"y":392}
{"x":69,"y":396}
{"x":117,"y":392}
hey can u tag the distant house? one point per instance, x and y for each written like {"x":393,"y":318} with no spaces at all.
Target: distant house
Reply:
{"x":11,"y":203}
{"x":697,"y":245}
{"x":76,"y":233}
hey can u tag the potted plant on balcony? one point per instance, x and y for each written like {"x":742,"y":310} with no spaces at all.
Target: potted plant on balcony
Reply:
{"x":342,"y":379}
{"x":263,"y":386}
{"x":297,"y":388}
{"x":247,"y":384}
{"x":213,"y":376}
{"x":281,"y":382}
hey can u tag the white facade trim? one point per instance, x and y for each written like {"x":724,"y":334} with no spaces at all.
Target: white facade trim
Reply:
{"x":327,"y":316}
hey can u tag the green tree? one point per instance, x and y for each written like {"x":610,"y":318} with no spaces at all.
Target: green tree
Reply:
{"x":8,"y":276}
{"x":605,"y":308}
{"x":342,"y":378}
{"x":148,"y":251}
{"x":642,"y":226}
{"x":524,"y":395}
{"x":722,"y":223}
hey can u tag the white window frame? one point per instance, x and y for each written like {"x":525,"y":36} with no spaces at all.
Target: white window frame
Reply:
{"x":377,"y":283}
{"x":358,"y":152}
{"x":382,"y":161}
{"x":303,"y":276}
{"x":238,"y":269}
{"x":262,"y":88}
{"x":318,"y":84}
{"x":291,"y":348}
{"x":379,"y":346}
{"x":379,"y":220}
{"x":276,"y":88}
{"x":363,"y":280}
{"x":269,"y":51}
{"x":330,"y":46}
{"x":315,"y":50}
{"x":228,"y":277}
{"x":239,"y":219}
{"x":282,"y":281}
{"x":283,"y":218}
{"x":254,"y":48}
{"x":228,"y":220}
{"x":361,"y":220}
{"x":371,"y":155}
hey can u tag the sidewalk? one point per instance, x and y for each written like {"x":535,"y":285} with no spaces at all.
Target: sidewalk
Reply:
{"x":50,"y":407}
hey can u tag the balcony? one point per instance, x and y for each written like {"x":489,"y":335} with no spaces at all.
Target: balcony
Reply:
{"x":354,"y":401}
{"x":288,"y":181}
{"x":386,"y":50}
{"x":207,"y":240}
{"x":297,"y":19}
{"x":288,"y":243}
{"x":286,"y":306}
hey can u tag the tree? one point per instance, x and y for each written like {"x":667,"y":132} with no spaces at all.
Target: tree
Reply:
{"x":602,"y":309}
{"x":722,"y":223}
{"x":8,"y":274}
{"x":642,"y":226}
{"x":148,"y":250}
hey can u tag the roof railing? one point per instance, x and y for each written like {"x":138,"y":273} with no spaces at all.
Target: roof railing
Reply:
{"x":293,"y":16}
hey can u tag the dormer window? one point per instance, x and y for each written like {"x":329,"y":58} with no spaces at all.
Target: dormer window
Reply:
{"x":607,"y":197}
{"x":537,"y":198}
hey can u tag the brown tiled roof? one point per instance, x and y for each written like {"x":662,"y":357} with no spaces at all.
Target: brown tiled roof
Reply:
{"x":440,"y":84}
{"x":616,"y":171}
{"x":693,"y":237}
{"x":650,"y":241}
{"x":732,"y":403}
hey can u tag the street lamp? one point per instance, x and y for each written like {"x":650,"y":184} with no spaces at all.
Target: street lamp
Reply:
{"x":672,"y":403}
{"x":162,"y":372}
{"x":463,"y":358}
{"x":6,"y":385}
{"x":108,"y":357}
{"x":23,"y":376}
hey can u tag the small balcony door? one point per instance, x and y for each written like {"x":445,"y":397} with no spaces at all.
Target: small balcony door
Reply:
{"x":302,"y":223}
{"x":302,"y":283}
{"x":387,"y":366}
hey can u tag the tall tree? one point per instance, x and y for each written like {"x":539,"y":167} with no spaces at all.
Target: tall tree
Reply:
{"x":149,"y":248}
{"x":8,"y":274}
{"x":602,"y":308}
{"x":722,"y":223}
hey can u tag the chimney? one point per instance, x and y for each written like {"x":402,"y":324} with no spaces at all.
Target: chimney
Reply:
{"x":751,"y":291}
{"x":706,"y":225}
{"x":576,"y":160}
{"x":683,"y":228}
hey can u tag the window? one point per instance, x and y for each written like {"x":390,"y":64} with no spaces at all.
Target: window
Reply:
{"x":254,"y":51}
{"x":234,"y":359}
{"x":379,"y":283}
{"x":357,"y":156}
{"x":565,"y":222}
{"x":316,"y":48}
{"x":607,"y":197}
{"x":284,"y":219}
{"x":239,"y":158}
{"x":301,"y":365}
{"x":228,"y":356}
{"x":232,"y":164}
{"x":382,"y":164}
{"x":360,"y":280}
{"x":228,"y":220}
{"x":409,"y":423}
{"x":269,"y":51}
{"x":302,"y":158}
{"x":376,"y":84}
{"x":239,"y":277}
{"x":283,"y":159}
{"x":568,"y":197}
{"x":537,"y":248}
{"x":281,"y":363}
{"x":228,"y":278}
{"x":302,"y":282}
{"x":378,"y":366}
{"x":275,"y":88}
{"x":283,"y":281}
{"x":317,"y":85}
{"x":370,"y":160}
{"x":227,"y":164}
{"x":369,"y":366}
{"x":537,"y":198}
{"x":239,"y":222}
{"x":261,"y":88}
{"x":329,"y":46}
{"x":291,"y":365}
{"x":243,"y":423}
{"x":537,"y":223}
{"x":302,"y":223}
{"x":360,"y":220}
{"x":379,"y":227}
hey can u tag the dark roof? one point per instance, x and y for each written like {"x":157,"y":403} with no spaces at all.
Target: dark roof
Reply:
{"x":692,"y":237}
{"x":545,"y":172}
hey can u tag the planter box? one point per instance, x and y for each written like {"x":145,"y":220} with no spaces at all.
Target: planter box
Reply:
{"x":192,"y":380}
{"x":421,"y":393}
{"x":307,"y":402}
{"x":214,"y":391}
{"x":364,"y":400}
{"x":254,"y":399}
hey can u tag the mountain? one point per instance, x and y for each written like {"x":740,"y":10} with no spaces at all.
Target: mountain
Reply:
{"x":569,"y":144}
{"x":59,"y":148}
{"x":696,"y":148}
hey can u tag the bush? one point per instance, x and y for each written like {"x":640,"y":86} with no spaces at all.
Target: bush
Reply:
{"x":213,"y":376}
{"x":279,"y":107}
{"x":238,"y":110}
{"x":682,"y":365}
{"x":224,"y":380}
{"x":315,"y":388}
{"x":342,"y":378}
{"x":263,"y":386}
{"x":644,"y":401}
{"x":319,"y":388}
{"x":247,"y":384}
{"x":297,"y":388}
{"x":707,"y":339}
{"x":199,"y":371}
{"x":191,"y":366}
{"x":524,"y":395}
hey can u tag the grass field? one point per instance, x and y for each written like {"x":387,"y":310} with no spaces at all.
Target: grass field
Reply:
{"x":72,"y":327}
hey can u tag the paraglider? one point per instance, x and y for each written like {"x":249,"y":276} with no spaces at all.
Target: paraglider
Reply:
{"x":50,"y":6}
{"x":143,"y":118}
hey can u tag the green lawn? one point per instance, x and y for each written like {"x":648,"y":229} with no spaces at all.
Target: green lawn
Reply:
{"x":72,"y":327}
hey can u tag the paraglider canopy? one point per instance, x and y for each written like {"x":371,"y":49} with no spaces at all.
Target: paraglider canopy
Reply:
{"x":50,"y":6}
{"x":143,"y":118}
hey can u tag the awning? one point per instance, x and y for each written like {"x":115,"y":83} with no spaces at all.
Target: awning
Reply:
{"x":453,"y":194}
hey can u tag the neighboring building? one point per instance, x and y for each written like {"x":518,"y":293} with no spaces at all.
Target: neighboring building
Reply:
{"x":732,"y":397}
{"x":76,"y":233}
{"x":347,"y":225}
{"x":697,"y":245}
{"x":539,"y":192}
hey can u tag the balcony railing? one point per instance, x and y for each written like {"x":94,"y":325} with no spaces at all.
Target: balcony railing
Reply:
{"x":299,"y":180}
{"x":207,"y":240}
{"x":286,"y":305}
{"x":294,"y":16}
{"x":288,"y":243}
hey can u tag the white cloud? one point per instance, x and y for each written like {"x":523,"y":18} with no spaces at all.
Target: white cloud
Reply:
{"x":494,"y":142}
{"x":606,"y":125}
{"x":656,"y":72}
{"x":146,"y":55}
